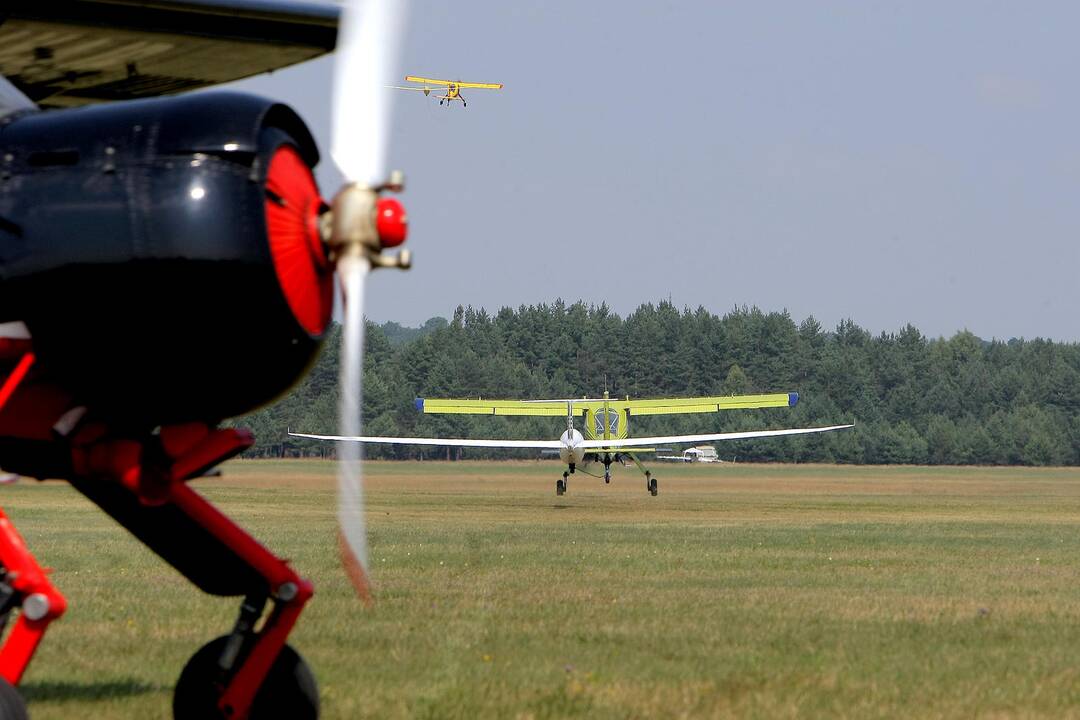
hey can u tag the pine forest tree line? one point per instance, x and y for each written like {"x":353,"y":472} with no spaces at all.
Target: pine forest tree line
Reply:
{"x":914,"y":400}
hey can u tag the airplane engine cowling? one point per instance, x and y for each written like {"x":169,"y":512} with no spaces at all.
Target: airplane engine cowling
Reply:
{"x":165,"y":254}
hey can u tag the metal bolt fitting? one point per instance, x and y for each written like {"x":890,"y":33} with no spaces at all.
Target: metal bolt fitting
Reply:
{"x":35,"y":606}
{"x":287,"y":591}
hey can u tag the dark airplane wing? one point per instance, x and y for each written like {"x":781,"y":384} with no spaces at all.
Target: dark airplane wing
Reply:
{"x":62,"y":53}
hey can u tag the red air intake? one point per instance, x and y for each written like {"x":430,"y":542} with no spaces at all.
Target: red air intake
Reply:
{"x":292,"y":222}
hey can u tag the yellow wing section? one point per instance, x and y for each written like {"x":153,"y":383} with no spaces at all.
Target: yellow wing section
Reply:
{"x":448,"y":83}
{"x":560,"y":408}
{"x":428,"y":81}
{"x":482,"y":86}
{"x":548,"y":408}
{"x":672,"y":406}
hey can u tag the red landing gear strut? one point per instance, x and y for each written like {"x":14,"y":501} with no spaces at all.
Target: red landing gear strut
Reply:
{"x":23,"y":583}
{"x":142,"y":484}
{"x":141,"y":481}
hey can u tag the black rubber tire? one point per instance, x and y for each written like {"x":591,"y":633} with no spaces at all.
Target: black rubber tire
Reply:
{"x":288,"y":691}
{"x":12,"y":705}
{"x":560,"y":487}
{"x":652,"y":487}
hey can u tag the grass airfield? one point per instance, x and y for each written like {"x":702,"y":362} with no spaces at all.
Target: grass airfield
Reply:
{"x":741,"y":590}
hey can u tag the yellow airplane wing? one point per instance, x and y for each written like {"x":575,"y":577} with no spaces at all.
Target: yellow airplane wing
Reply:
{"x":548,"y":408}
{"x":482,"y":86}
{"x":626,"y":452}
{"x":428,"y":81}
{"x":671,"y":406}
{"x":560,"y":408}
{"x":448,"y":83}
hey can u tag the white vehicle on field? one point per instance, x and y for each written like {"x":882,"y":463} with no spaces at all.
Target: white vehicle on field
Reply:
{"x":701,"y":453}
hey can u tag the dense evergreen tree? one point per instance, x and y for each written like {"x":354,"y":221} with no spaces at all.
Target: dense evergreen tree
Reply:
{"x":959,"y":400}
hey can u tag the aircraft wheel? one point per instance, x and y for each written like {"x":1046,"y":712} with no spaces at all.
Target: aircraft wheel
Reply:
{"x":560,"y":487}
{"x":652,"y":487}
{"x":12,"y":705}
{"x":607,"y":479}
{"x":288,"y":691}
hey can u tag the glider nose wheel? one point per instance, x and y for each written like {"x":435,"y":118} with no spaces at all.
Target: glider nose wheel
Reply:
{"x":560,"y":485}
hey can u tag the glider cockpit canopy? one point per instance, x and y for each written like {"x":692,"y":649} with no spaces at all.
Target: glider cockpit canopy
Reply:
{"x":65,"y":53}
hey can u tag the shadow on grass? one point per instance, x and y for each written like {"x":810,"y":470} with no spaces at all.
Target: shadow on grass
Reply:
{"x":66,"y":691}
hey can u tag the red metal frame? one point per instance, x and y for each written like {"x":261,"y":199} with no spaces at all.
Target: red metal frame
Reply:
{"x":181,"y":452}
{"x":290,"y":591}
{"x":291,"y":594}
{"x":39,"y":602}
{"x":191,"y":450}
{"x":35,"y":596}
{"x":16,"y":377}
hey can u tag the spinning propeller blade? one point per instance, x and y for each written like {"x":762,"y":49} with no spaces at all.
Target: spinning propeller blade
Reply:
{"x":363,"y":224}
{"x":353,"y":532}
{"x":368,"y":40}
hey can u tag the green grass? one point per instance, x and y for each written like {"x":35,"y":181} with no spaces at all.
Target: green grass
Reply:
{"x":751,"y":591}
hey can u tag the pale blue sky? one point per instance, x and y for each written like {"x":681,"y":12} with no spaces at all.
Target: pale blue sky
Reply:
{"x":888,"y":162}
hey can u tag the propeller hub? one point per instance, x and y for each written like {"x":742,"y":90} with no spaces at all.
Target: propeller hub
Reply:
{"x":362,"y":223}
{"x":352,"y":221}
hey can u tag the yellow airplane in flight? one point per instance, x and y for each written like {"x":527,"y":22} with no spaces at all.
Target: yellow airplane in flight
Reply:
{"x":606,"y":422}
{"x":452,"y":91}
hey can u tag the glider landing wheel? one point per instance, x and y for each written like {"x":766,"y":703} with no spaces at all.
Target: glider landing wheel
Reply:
{"x":288,"y":691}
{"x":12,"y":705}
{"x":560,"y":487}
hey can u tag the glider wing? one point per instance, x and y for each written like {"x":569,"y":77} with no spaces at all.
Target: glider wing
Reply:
{"x":442,"y":442}
{"x":674,"y":439}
